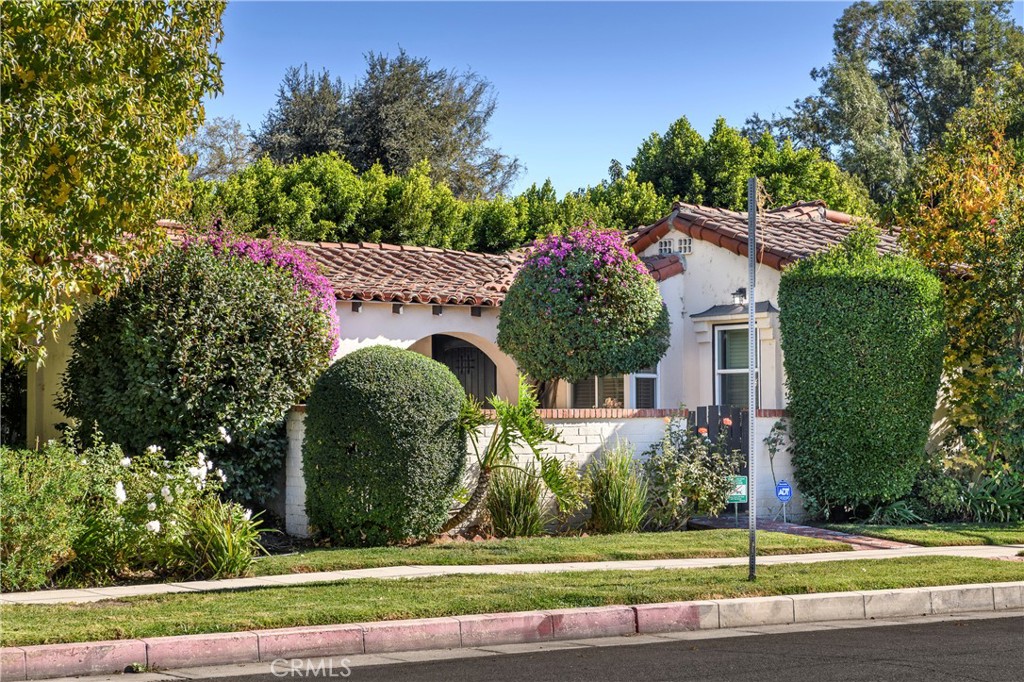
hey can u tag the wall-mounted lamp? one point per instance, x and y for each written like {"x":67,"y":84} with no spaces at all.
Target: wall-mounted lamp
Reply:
{"x":739,"y":297}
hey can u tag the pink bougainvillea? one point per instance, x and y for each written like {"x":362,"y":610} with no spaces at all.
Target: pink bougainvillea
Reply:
{"x":292,"y":259}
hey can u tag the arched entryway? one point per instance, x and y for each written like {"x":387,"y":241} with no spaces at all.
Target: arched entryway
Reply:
{"x":470,"y":365}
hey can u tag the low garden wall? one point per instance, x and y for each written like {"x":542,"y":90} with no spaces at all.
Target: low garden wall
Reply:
{"x":584,"y":434}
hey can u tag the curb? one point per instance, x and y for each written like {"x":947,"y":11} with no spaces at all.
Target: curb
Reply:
{"x":98,"y":658}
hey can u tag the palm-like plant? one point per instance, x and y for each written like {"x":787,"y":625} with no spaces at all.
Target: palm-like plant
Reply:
{"x":516,"y":427}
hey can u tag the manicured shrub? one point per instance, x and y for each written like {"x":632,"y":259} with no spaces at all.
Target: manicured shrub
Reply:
{"x":41,"y":513}
{"x":515,"y":505}
{"x":618,"y":491}
{"x":863,"y":341}
{"x":581,"y":305}
{"x":687,"y":474}
{"x":212,"y":341}
{"x":384,"y":447}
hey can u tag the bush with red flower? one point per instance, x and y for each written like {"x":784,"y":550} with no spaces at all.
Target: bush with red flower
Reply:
{"x":583,"y":304}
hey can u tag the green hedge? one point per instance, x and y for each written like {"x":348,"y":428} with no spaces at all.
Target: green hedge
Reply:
{"x":863,"y":339}
{"x":384,"y":449}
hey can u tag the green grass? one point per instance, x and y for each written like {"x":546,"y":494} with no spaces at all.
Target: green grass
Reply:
{"x":548,"y":550}
{"x":370,"y":600}
{"x":941,"y":534}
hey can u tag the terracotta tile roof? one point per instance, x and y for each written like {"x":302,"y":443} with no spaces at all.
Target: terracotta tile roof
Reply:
{"x":415,"y":274}
{"x":663,"y":267}
{"x":785,"y":234}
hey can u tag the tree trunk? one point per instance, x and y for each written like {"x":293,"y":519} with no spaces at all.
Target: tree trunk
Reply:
{"x":473,"y":505}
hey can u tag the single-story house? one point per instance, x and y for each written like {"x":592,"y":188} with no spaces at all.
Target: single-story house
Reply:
{"x":445,"y":304}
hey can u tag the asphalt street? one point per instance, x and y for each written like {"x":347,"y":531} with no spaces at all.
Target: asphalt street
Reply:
{"x":989,"y":650}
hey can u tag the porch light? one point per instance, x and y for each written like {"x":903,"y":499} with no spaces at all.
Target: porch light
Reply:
{"x":739,"y":297}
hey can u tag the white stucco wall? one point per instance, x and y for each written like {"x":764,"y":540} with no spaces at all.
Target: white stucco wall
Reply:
{"x":582,"y":440}
{"x":711,"y":275}
{"x":377,"y":324}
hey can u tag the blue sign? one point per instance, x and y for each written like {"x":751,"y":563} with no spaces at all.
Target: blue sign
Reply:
{"x":783,"y":491}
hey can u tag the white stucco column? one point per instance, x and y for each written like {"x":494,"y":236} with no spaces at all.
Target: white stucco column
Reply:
{"x":296,"y":522}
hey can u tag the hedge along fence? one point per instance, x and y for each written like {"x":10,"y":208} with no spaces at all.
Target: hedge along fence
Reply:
{"x":862,"y":336}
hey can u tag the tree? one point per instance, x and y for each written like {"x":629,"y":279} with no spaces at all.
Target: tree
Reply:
{"x":583,"y":305}
{"x":220,"y":148}
{"x":966,"y":222}
{"x":900,"y":71}
{"x":307,"y":119}
{"x":403,"y":112}
{"x":682,"y":165}
{"x":95,"y":97}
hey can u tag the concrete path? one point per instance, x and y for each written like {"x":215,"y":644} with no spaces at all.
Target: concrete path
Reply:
{"x":98,"y":593}
{"x":855,"y":541}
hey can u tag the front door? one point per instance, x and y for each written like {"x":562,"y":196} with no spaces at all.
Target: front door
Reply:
{"x":470,"y":365}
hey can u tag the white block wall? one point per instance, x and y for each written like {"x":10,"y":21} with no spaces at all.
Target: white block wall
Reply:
{"x":582,"y":439}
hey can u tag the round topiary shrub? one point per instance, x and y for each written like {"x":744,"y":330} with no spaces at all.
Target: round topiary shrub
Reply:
{"x":863,"y":339}
{"x":202,"y":345}
{"x":583,"y":304}
{"x":384,"y":447}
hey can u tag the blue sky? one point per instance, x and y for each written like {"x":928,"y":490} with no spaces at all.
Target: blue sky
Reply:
{"x":577,"y":83}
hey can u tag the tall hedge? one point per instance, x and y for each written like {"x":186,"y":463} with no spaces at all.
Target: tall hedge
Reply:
{"x":863,"y":339}
{"x":384,"y":448}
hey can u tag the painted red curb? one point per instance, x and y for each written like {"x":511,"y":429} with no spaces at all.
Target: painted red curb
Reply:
{"x":599,"y":621}
{"x":310,"y":642}
{"x":187,"y":651}
{"x":67,"y":660}
{"x":505,"y":628}
{"x":12,"y":663}
{"x":411,"y":635}
{"x":91,"y":658}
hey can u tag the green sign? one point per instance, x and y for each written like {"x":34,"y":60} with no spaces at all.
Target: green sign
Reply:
{"x":739,"y":491}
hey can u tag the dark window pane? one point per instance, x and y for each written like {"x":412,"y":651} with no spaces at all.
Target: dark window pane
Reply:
{"x":732,"y":349}
{"x":583,"y":395}
{"x":613,"y":392}
{"x":734,"y":389}
{"x":646,"y":393}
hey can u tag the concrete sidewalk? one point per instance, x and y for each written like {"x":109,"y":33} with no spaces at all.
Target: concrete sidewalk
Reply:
{"x":98,"y":593}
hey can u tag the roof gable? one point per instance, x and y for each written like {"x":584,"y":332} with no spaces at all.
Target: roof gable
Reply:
{"x":785,"y":235}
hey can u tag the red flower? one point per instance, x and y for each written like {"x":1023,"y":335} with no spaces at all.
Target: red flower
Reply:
{"x":727,"y":421}
{"x":702,"y":431}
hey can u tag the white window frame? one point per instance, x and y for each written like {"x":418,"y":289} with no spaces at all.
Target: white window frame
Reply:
{"x":717,"y":329}
{"x":657,"y":386}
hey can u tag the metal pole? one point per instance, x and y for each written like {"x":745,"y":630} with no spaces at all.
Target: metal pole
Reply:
{"x":751,"y":365}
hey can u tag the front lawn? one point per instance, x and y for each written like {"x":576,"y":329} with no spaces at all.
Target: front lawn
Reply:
{"x":941,"y":534}
{"x":370,"y":600}
{"x":548,"y":550}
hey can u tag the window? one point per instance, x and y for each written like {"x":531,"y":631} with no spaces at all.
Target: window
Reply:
{"x":731,"y":366}
{"x":645,"y":388}
{"x":685,"y":246}
{"x":599,"y":392}
{"x":665,"y":247}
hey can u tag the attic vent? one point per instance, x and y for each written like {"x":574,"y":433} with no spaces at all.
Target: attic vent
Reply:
{"x":682,"y":246}
{"x":685,"y":246}
{"x":665,"y":247}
